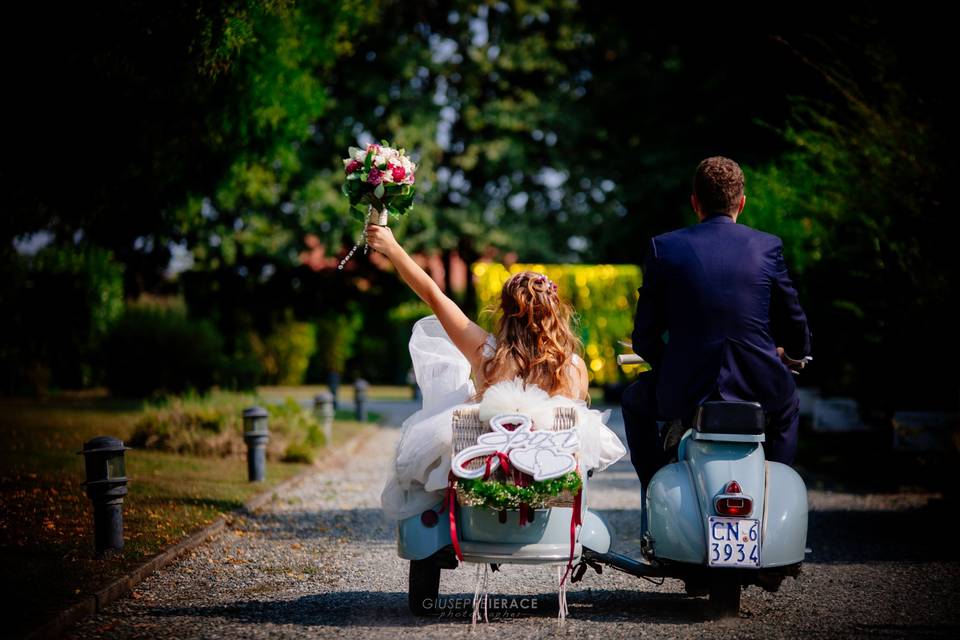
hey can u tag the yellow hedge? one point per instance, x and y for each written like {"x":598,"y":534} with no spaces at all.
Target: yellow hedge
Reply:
{"x":604,"y":296}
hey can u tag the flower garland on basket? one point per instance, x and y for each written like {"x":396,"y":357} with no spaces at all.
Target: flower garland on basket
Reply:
{"x":380,"y":178}
{"x":498,"y":494}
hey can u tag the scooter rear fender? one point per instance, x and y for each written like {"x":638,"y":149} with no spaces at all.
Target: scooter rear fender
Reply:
{"x":681,"y":495}
{"x":785,"y":521}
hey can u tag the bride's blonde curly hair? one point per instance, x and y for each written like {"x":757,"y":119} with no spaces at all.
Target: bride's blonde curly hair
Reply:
{"x":535,"y":341}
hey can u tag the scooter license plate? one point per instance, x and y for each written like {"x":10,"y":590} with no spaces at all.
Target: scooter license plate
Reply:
{"x":734,"y":542}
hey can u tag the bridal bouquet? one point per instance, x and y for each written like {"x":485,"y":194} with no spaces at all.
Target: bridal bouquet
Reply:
{"x":381,"y":178}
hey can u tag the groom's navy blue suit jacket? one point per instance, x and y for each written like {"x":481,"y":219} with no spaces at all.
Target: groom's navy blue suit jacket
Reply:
{"x":715,"y":304}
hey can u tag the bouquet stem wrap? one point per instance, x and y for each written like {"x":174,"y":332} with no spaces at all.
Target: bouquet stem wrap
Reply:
{"x":377,"y":217}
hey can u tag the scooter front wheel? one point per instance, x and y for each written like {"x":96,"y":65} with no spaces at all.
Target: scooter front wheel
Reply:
{"x":424,"y":586}
{"x":725,"y":597}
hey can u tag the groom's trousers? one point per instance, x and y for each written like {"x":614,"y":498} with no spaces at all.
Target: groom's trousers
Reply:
{"x":642,"y":426}
{"x":639,"y":404}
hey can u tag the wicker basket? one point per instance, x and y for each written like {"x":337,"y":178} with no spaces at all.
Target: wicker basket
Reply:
{"x":467,"y":427}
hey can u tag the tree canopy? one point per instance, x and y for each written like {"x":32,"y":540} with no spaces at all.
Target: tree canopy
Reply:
{"x":199,"y":143}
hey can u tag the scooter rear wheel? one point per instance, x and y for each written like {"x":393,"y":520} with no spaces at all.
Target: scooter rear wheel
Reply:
{"x":424,"y":586}
{"x":725,"y":597}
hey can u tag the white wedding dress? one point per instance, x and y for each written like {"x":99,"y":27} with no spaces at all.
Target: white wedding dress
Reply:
{"x":419,"y":475}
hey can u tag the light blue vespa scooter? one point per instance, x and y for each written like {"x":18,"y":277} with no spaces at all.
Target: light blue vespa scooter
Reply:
{"x":719,"y":517}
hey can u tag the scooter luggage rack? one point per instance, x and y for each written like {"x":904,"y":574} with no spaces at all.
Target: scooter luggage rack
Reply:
{"x":467,"y":426}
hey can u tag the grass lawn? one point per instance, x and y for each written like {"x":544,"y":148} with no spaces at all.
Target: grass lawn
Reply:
{"x":344,"y":394}
{"x":378,"y":392}
{"x":46,"y":531}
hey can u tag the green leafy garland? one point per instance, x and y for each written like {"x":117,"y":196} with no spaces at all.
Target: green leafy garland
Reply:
{"x":498,"y":495}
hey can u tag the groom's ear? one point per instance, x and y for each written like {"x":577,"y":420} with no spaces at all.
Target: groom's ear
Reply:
{"x":695,"y":205}
{"x":743,"y":201}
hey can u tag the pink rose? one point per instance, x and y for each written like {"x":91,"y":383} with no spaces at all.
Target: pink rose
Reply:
{"x":398,"y":172}
{"x":373,"y":147}
{"x":352,"y":166}
{"x":375,"y":177}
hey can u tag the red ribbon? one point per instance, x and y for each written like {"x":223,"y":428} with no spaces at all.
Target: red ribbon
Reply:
{"x":451,"y":504}
{"x":575,"y":520}
{"x":504,"y":462}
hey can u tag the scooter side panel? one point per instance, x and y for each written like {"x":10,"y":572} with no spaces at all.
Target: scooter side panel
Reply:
{"x":785,"y":520}
{"x":479,"y":524}
{"x":415,"y":541}
{"x":673,"y":518}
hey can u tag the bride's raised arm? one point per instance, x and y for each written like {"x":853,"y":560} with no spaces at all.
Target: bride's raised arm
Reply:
{"x":466,"y":334}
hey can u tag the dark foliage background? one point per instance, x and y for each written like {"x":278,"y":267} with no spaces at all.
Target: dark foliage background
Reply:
{"x":211,"y":133}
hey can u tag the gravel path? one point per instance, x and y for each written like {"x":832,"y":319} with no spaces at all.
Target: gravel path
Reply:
{"x":322,"y":563}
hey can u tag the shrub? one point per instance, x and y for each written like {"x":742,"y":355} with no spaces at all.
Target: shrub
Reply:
{"x":285,"y":354}
{"x":400,"y":323}
{"x":242,"y":369}
{"x":336,"y":339}
{"x":156,"y":348}
{"x":212,"y":425}
{"x":299,"y":452}
{"x":58,"y":306}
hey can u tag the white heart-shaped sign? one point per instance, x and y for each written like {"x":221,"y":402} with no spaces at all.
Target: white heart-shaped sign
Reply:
{"x":524,"y":459}
{"x":543,"y":464}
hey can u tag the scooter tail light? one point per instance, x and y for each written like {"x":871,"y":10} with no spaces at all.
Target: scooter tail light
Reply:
{"x":734,"y":506}
{"x":732,"y":502}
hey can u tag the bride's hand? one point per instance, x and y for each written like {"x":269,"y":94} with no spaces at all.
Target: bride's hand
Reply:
{"x":381,"y":239}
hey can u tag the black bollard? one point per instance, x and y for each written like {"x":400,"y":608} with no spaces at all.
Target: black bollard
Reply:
{"x":106,"y":486}
{"x":360,"y":387}
{"x":256,"y":434}
{"x":333,"y":381}
{"x":414,"y":387}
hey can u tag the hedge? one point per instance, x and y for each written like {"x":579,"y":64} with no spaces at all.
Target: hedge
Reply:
{"x":604,"y":296}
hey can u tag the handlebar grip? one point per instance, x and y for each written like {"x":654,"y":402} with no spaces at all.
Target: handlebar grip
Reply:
{"x":629,"y":358}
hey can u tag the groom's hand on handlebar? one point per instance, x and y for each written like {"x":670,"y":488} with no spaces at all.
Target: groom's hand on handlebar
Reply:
{"x":790,"y":362}
{"x":381,"y":239}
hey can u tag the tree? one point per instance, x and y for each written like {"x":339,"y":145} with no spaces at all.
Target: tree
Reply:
{"x":860,"y":200}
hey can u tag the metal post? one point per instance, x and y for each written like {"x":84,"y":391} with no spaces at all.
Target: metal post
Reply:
{"x":323,"y":409}
{"x":333,"y":381}
{"x":256,"y":434}
{"x":106,"y":486}
{"x":414,"y":387}
{"x":360,"y":387}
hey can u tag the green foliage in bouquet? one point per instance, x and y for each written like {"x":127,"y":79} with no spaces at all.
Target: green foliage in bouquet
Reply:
{"x":498,"y":495}
{"x":380,"y":177}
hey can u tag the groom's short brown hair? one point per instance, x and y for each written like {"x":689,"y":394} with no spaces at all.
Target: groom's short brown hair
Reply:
{"x":718,"y":185}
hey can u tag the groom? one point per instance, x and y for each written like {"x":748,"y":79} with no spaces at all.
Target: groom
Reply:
{"x":717,"y":318}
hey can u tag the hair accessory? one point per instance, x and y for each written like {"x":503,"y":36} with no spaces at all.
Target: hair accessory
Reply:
{"x":545,"y":280}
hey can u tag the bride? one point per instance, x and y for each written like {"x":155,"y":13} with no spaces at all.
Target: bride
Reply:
{"x":530,"y":365}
